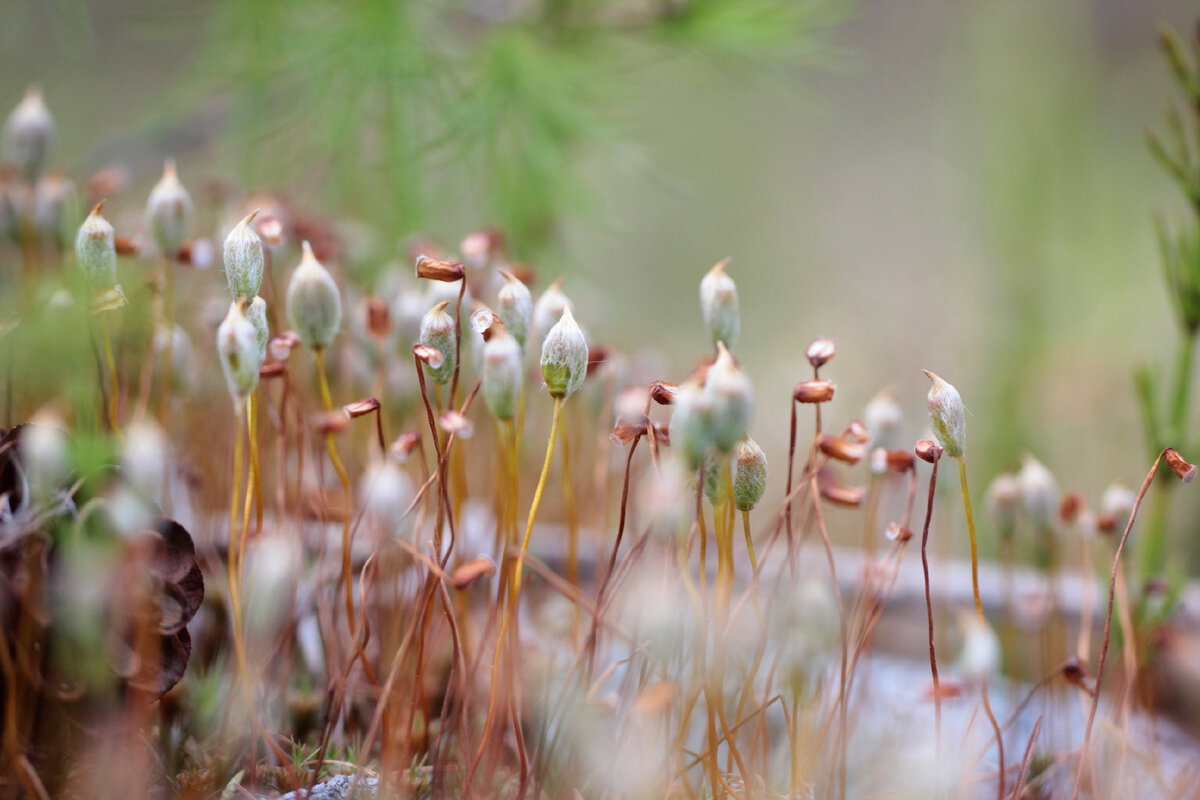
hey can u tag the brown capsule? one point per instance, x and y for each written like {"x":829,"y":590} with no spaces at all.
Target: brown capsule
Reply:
{"x":896,"y":533}
{"x":597,"y":356}
{"x":1182,"y":469}
{"x":281,"y":346}
{"x":848,"y":496}
{"x":523,"y":272}
{"x":479,"y":246}
{"x":1074,"y":672}
{"x":857,"y":432}
{"x":270,"y":228}
{"x":663,"y":393}
{"x":1069,"y":508}
{"x":1106,"y":522}
{"x":656,"y":699}
{"x":928,"y":451}
{"x":437,"y":269}
{"x":125,"y":246}
{"x":660,"y":434}
{"x":379,"y":318}
{"x":494,"y":329}
{"x":699,"y":375}
{"x":629,"y":428}
{"x":272,"y":369}
{"x":456,"y":424}
{"x":482,"y":319}
{"x":814,"y":391}
{"x":472,"y":571}
{"x":820,"y":351}
{"x":106,"y":182}
{"x":405,"y":443}
{"x":187,"y":252}
{"x":428,"y":355}
{"x":900,"y":460}
{"x":327,"y":422}
{"x":840,"y":449}
{"x":948,"y":689}
{"x":361,"y":408}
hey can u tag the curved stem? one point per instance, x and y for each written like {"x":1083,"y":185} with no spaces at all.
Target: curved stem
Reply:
{"x":331,"y":446}
{"x":537,"y":499}
{"x":612,"y":562}
{"x":234,"y":562}
{"x":840,"y":762}
{"x":255,"y":464}
{"x":987,"y":706}
{"x":572,"y":528}
{"x":937,"y":688}
{"x":1112,"y":588}
{"x":114,"y":389}
{"x":788,"y":489}
{"x":514,"y":594}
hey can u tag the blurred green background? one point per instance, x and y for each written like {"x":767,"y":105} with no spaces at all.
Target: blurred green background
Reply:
{"x":959,"y":186}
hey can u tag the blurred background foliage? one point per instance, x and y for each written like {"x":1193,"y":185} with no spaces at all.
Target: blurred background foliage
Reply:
{"x":934,"y":184}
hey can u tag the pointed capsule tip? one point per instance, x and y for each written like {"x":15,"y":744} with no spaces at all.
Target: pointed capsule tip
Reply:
{"x":719,"y":267}
{"x":250,"y":217}
{"x":440,"y":306}
{"x":98,"y":208}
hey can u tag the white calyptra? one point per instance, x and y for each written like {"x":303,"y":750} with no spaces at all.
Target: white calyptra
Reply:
{"x":182,"y":357}
{"x":883,"y":418}
{"x":549,"y":309}
{"x":54,"y":203}
{"x":500,"y":380}
{"x":980,"y":654}
{"x":514,"y":304}
{"x":45,"y":452}
{"x":564,"y":356}
{"x":1039,"y":493}
{"x":732,"y":400}
{"x":96,"y":251}
{"x":691,"y":422}
{"x":719,"y":305}
{"x":237,"y":349}
{"x":256,"y":313}
{"x":314,"y":304}
{"x":1002,"y":501}
{"x":437,"y":331}
{"x":948,"y":416}
{"x":144,"y":458}
{"x":244,"y":259}
{"x":384,"y":493}
{"x":169,"y":210}
{"x":29,"y":135}
{"x":749,"y":474}
{"x":1117,"y":504}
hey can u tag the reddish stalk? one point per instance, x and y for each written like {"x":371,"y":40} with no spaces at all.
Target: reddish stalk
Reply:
{"x":839,"y":762}
{"x":612,"y":561}
{"x":788,"y":489}
{"x":1112,"y":588}
{"x":937,"y":687}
